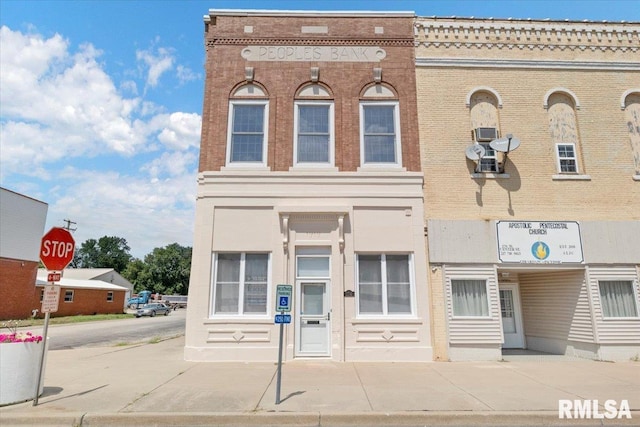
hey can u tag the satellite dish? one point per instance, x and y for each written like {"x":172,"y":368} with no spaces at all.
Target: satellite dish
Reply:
{"x":475,"y":152}
{"x":505,"y":144}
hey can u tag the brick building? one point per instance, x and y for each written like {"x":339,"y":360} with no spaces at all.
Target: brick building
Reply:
{"x":433,"y":188}
{"x":22,"y":221}
{"x":83,"y":296}
{"x":309,"y":175}
{"x":538,"y":248}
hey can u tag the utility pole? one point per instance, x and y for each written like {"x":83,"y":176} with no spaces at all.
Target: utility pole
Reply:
{"x":68,"y":223}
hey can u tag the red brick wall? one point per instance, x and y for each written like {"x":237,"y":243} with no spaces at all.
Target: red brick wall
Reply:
{"x":346,"y":80}
{"x":19,"y":295}
{"x":17,"y":288}
{"x":86,"y":301}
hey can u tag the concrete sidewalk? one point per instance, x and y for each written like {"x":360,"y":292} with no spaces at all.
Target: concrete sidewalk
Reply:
{"x":151,"y":384}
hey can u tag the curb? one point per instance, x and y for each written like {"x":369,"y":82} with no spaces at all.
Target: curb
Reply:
{"x":311,"y":419}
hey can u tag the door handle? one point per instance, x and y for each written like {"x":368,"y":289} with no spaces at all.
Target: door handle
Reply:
{"x":329,"y":316}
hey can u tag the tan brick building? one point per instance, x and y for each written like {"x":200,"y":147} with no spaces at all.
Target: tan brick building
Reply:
{"x":538,"y":248}
{"x":309,"y":176}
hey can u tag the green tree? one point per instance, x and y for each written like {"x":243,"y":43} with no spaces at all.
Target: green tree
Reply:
{"x":106,"y":252}
{"x":164,"y":271}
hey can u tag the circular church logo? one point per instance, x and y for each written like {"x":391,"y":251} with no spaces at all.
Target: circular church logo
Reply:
{"x":540,"y":250}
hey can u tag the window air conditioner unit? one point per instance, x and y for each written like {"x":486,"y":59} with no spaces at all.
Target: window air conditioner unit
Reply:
{"x":485,"y":134}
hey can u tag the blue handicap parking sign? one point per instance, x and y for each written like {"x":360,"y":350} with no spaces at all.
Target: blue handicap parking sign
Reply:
{"x":284,"y":301}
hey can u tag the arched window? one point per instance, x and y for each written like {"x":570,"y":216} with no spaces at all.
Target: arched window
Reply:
{"x":380,"y":142}
{"x":563,"y":127}
{"x":485,"y":126}
{"x":632,"y":118}
{"x":247,"y":126}
{"x":314,"y":133}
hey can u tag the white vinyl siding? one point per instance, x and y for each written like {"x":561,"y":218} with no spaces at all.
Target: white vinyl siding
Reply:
{"x":614,"y":331}
{"x":474,"y":330}
{"x":555,"y":305}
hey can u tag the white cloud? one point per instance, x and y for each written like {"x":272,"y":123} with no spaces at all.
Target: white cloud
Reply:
{"x":185,"y":74}
{"x":148,"y":213}
{"x":115,"y":164}
{"x":158,"y":63}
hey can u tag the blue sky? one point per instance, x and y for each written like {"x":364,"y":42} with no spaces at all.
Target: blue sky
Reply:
{"x":101,"y":101}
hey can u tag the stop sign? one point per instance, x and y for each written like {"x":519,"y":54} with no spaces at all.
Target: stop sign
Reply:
{"x":57,"y":248}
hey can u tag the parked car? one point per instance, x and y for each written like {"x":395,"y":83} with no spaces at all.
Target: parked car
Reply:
{"x":153,"y":309}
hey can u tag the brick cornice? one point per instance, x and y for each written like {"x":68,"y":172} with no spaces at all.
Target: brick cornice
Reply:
{"x":527,"y":35}
{"x":406,"y":42}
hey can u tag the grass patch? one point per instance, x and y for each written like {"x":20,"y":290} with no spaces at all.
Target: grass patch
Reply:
{"x":154,"y":340}
{"x":73,"y":319}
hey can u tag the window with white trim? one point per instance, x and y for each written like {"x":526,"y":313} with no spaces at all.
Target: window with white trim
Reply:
{"x":567,"y":160}
{"x":241,"y":284}
{"x":380,"y":133}
{"x":68,"y":296}
{"x":617,"y":298}
{"x":488,"y":162}
{"x":385,"y":284}
{"x":314,"y":133}
{"x":247,"y":139}
{"x":110,"y":296}
{"x":469,"y":298}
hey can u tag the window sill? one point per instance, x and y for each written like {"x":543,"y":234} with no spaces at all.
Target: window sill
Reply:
{"x":381,"y":168}
{"x":472,"y":318}
{"x":571,"y":177}
{"x":489,"y":175}
{"x":636,"y":177}
{"x":620,"y":319}
{"x":245,"y":166}
{"x":386,"y":320}
{"x":313,"y":168}
{"x":237,"y":319}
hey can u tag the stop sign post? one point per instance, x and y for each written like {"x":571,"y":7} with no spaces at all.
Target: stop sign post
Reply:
{"x":56,"y":252}
{"x":57,"y":249}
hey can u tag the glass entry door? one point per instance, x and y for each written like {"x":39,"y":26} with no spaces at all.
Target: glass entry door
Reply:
{"x":513,"y":336}
{"x":314,"y":318}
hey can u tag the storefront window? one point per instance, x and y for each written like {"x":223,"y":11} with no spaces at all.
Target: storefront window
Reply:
{"x":469,"y":298}
{"x":241,"y":283}
{"x":384,"y":284}
{"x":618,"y":299}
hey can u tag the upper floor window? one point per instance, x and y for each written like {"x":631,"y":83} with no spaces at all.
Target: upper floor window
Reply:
{"x":563,"y":127}
{"x":380,"y":133}
{"x":314,"y":140}
{"x":484,"y":104}
{"x":631,"y":106}
{"x":380,"y":142}
{"x":248,"y":133}
{"x":247,"y":127}
{"x":567,"y":158}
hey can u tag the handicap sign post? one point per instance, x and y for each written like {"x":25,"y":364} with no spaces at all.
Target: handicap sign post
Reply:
{"x":283,"y":304}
